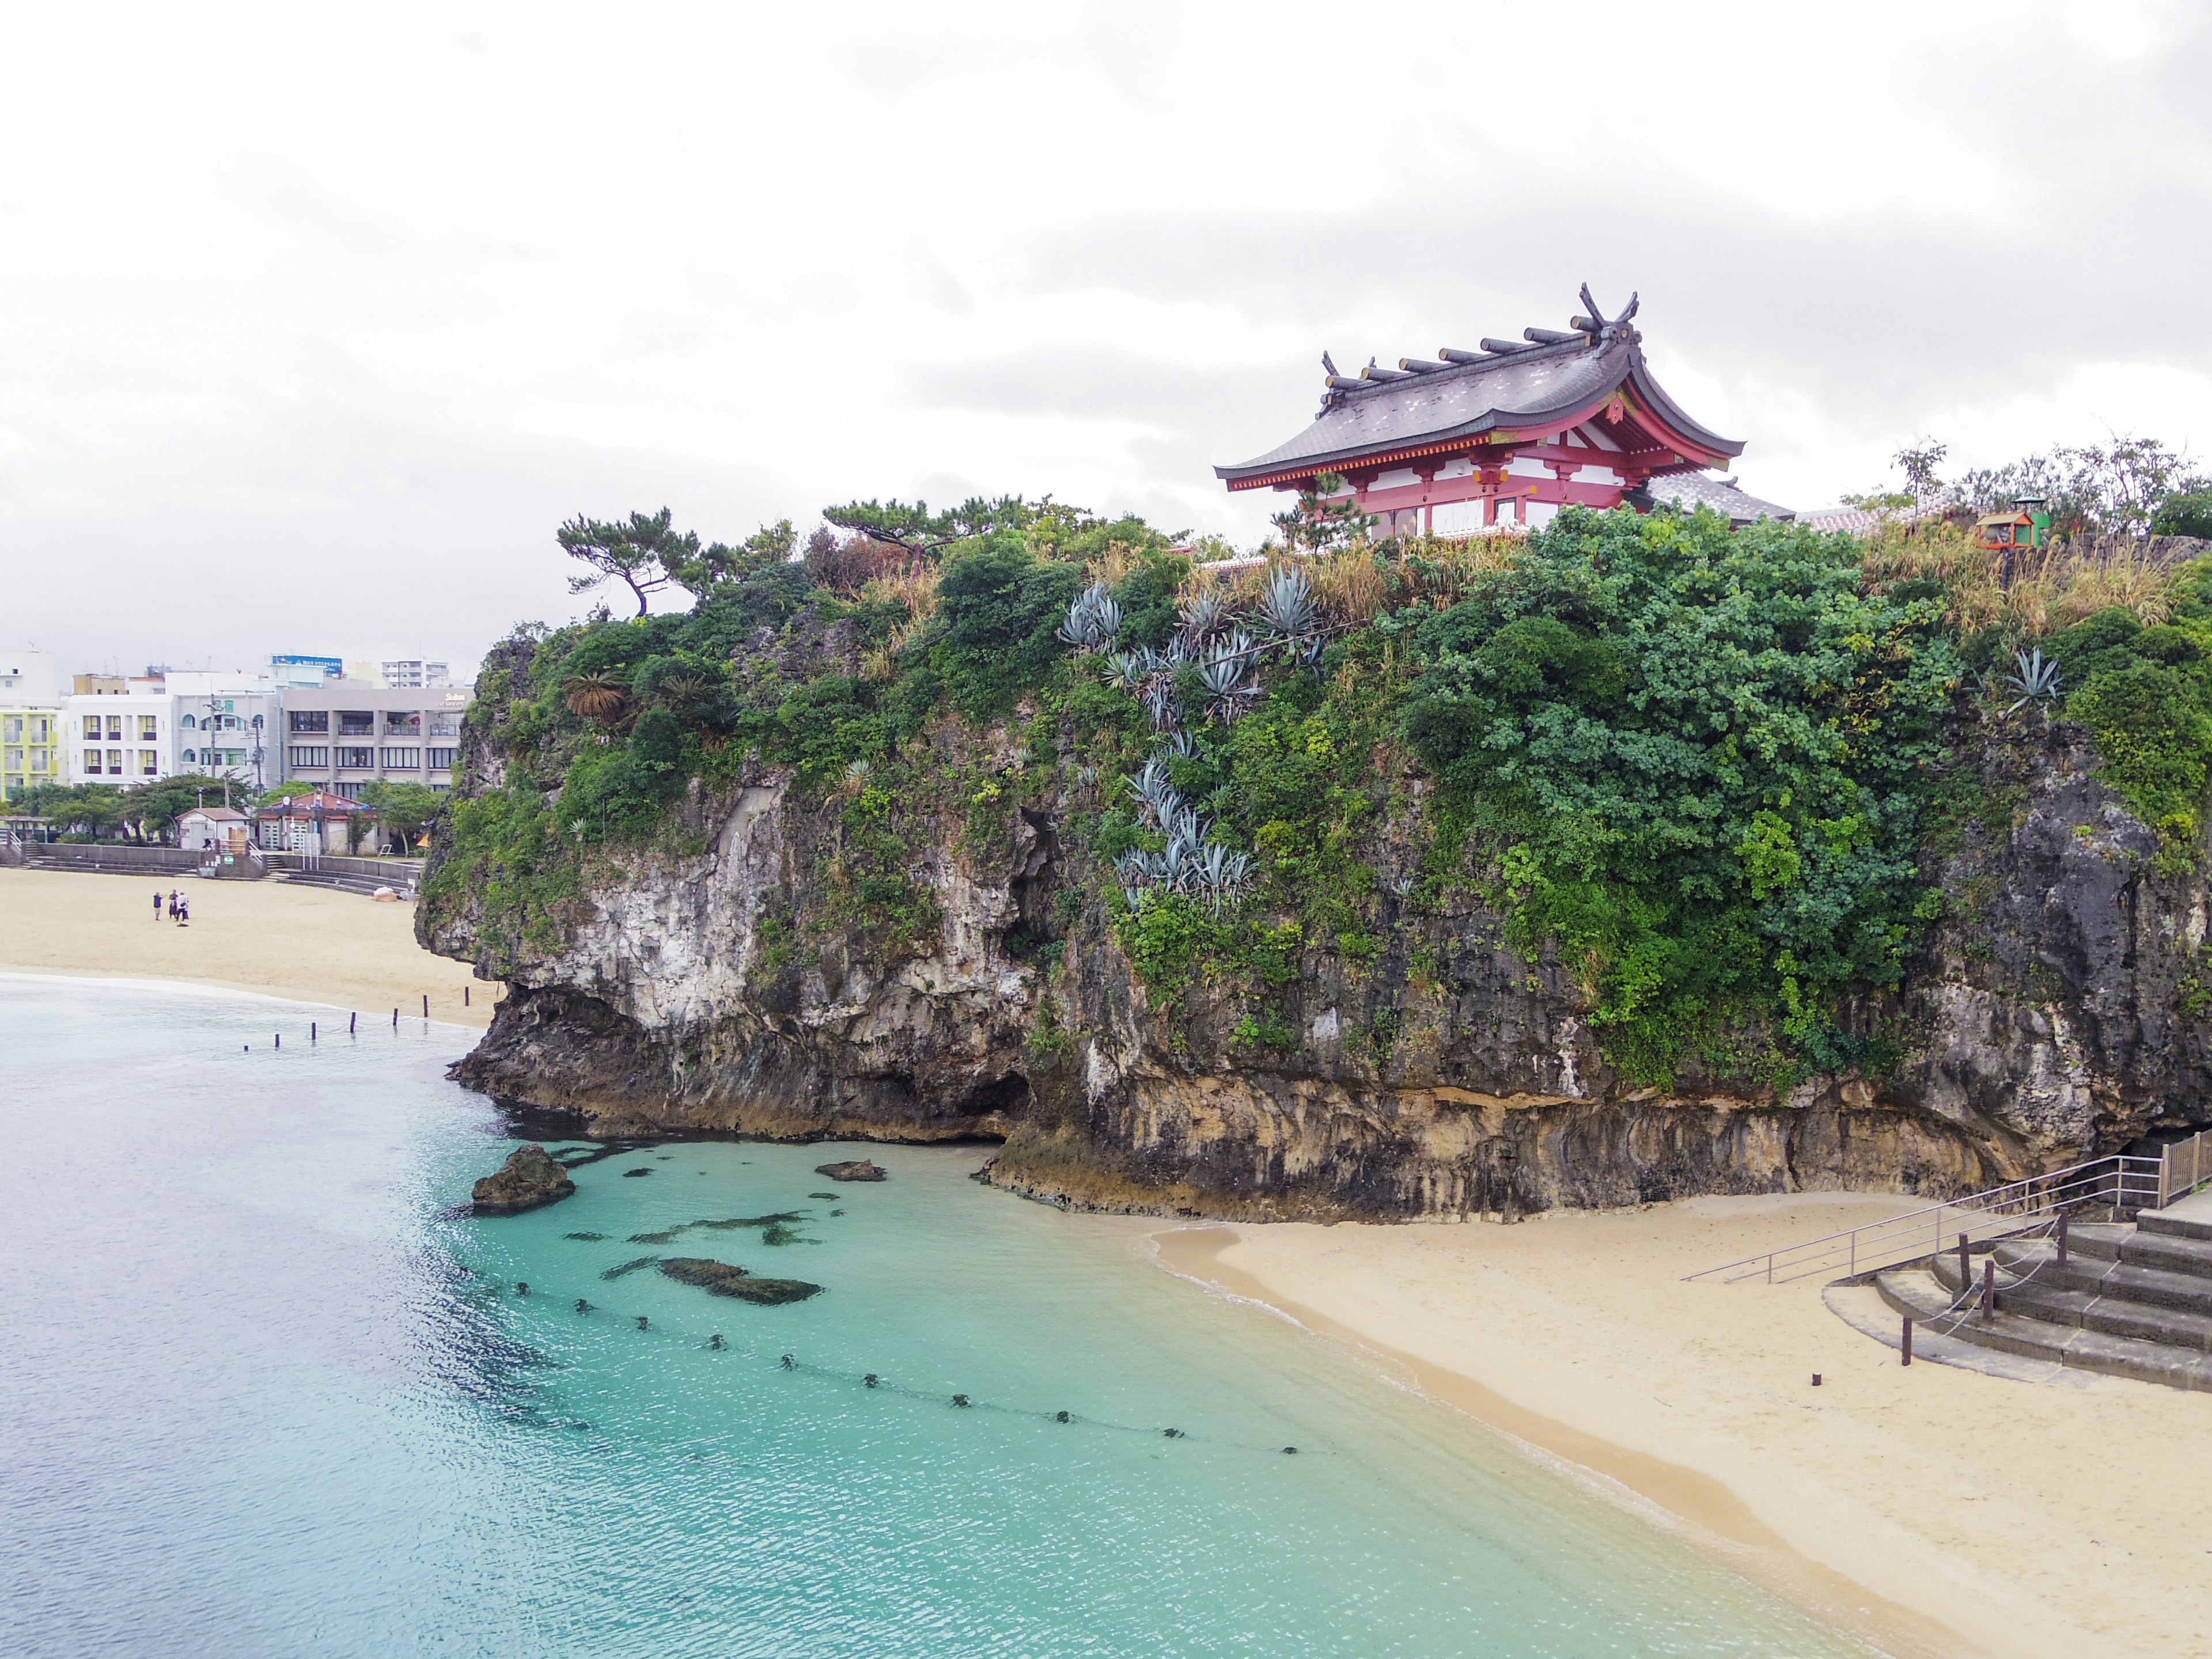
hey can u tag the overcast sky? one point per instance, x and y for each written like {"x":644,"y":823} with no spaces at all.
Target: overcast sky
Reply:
{"x":315,"y":322}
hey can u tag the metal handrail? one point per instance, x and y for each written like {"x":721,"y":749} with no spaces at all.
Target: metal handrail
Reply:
{"x":2118,"y":1179}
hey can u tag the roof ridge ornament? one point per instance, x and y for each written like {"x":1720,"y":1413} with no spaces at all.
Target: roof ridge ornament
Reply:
{"x":1593,"y":321}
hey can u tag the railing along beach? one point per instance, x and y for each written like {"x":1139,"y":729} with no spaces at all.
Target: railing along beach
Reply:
{"x":2122,"y":1181}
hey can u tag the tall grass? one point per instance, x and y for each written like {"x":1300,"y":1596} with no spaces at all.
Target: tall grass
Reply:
{"x":2027,"y":592}
{"x":912,"y":585}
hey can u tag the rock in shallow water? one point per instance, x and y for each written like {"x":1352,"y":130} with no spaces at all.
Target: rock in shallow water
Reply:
{"x":724,"y":1279}
{"x":863,"y":1169}
{"x":528,"y":1180}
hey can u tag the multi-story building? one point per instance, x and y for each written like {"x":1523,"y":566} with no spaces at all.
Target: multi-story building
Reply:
{"x":118,"y":731}
{"x":414,"y":673}
{"x":292,"y":669}
{"x":229,"y":723}
{"x":30,"y":723}
{"x":349,"y":734}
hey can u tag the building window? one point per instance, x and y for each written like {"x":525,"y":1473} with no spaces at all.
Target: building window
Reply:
{"x":305,"y":755}
{"x":441,"y":760}
{"x":1508,"y":509}
{"x":42,"y":760}
{"x":356,"y":723}
{"x":92,"y":728}
{"x":41,"y":728}
{"x":311,"y":719}
{"x":408,"y":725}
{"x":115,"y":728}
{"x":14,"y":724}
{"x":190,"y":723}
{"x":15,"y":760}
{"x":445,"y":725}
{"x":403,"y":760}
{"x":147,"y":732}
{"x":149,"y":763}
{"x":92,"y":762}
{"x":350,"y":791}
{"x":361,"y":758}
{"x":191,"y":758}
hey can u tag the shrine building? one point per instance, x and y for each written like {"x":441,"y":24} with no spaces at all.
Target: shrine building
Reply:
{"x":1507,"y":435}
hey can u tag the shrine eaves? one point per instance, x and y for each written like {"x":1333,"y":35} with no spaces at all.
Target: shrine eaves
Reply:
{"x":1507,"y":435}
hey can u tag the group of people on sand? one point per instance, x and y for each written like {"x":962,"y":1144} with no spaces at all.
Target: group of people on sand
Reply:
{"x":180,"y":907}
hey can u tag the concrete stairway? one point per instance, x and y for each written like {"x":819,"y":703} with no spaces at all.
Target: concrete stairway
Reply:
{"x":2131,"y":1300}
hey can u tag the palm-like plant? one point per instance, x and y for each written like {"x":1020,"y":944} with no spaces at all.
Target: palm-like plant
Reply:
{"x":594,"y":697}
{"x":2036,"y":682}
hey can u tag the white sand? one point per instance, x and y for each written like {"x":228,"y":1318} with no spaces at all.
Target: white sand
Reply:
{"x":308,"y":943}
{"x":1933,"y":1509}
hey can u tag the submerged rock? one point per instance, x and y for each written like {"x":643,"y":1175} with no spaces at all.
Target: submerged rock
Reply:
{"x":529,"y":1180}
{"x":723,"y":1280}
{"x":861,"y":1170}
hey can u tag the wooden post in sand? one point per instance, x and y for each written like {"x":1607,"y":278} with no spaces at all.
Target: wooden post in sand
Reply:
{"x":1989,"y":1287}
{"x":311,"y":1030}
{"x":1907,"y":1360}
{"x":426,"y":1006}
{"x":2062,"y":1239}
{"x":465,"y":996}
{"x":395,"y":1019}
{"x":350,"y":1018}
{"x":1965,"y":1267}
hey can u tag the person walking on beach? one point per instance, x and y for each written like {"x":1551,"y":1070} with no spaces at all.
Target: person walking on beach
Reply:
{"x":157,"y":904}
{"x":184,"y":913}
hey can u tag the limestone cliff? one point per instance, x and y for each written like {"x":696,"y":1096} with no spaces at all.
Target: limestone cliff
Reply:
{"x":721,"y":981}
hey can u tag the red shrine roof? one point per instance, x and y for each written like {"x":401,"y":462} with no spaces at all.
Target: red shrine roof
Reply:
{"x":1509,"y":392}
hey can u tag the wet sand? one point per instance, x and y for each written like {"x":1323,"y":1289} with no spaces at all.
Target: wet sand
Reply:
{"x":1932,"y":1511}
{"x":306,"y":943}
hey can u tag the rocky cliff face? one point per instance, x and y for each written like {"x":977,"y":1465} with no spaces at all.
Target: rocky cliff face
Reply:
{"x":716,"y":984}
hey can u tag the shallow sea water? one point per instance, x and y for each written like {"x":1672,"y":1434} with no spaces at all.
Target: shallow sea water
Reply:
{"x":260,"y":1395}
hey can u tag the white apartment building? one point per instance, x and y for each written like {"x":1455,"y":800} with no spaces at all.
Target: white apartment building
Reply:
{"x":413,"y":673}
{"x":180,"y":723}
{"x":119,"y":737}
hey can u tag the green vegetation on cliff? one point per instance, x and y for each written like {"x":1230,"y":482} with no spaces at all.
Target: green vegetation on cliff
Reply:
{"x":1695,"y":767}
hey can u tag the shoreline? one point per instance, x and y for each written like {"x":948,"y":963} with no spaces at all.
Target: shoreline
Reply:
{"x":1930,"y":1512}
{"x":310,"y":945}
{"x":1680,"y":1499}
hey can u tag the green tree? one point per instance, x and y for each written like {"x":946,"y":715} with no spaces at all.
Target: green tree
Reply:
{"x":403,"y":808}
{"x":921,"y":531}
{"x":644,"y":553}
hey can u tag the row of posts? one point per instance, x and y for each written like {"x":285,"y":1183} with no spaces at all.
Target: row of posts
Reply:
{"x":1988,"y":1297}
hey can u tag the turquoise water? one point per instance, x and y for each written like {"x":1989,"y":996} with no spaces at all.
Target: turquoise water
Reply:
{"x":260,"y":1394}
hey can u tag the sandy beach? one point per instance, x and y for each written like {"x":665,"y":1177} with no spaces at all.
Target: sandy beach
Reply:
{"x":307,"y":943}
{"x":1933,"y":1510}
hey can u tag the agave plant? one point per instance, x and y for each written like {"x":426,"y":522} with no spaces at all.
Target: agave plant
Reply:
{"x":1228,"y":694}
{"x":1204,"y":615}
{"x":594,"y":697}
{"x":1125,"y":670}
{"x":2036,"y":682}
{"x":1163,"y":705}
{"x":1287,"y":609}
{"x":1155,"y":793}
{"x":1092,"y":621}
{"x":1179,"y":745}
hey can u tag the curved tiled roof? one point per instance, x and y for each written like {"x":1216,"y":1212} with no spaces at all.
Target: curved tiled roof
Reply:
{"x":1512,"y":388}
